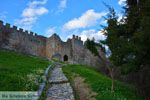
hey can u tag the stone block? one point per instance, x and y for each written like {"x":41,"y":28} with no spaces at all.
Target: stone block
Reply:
{"x":1,"y":23}
{"x":20,"y":30}
{"x":14,"y":27}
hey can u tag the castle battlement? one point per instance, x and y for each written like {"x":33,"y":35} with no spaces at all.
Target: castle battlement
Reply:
{"x":7,"y":25}
{"x":14,"y":28}
{"x":1,"y":23}
{"x":76,"y":38}
{"x":30,"y":33}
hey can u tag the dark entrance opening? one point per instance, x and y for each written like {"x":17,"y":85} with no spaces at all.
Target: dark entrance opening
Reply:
{"x":65,"y":58}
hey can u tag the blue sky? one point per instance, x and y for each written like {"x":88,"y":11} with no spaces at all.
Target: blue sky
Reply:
{"x":64,"y":17}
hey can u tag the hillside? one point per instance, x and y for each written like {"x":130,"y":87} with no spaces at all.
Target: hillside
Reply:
{"x":92,"y":85}
{"x":20,"y":72}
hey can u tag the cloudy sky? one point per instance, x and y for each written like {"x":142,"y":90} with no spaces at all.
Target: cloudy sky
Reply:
{"x":64,"y":17}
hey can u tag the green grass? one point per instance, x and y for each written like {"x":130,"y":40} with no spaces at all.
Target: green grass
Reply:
{"x":101,"y":84}
{"x":20,"y":72}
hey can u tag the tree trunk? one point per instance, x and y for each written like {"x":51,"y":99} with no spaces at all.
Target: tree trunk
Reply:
{"x":112,"y":80}
{"x":109,"y":66}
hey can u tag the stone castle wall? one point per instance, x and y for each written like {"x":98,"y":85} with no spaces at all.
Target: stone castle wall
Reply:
{"x":53,"y":47}
{"x":21,"y":41}
{"x":81,"y":55}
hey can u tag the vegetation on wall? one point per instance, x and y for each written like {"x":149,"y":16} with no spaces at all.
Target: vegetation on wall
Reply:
{"x":91,"y":45}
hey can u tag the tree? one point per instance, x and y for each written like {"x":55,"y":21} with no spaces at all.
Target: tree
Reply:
{"x":112,"y":35}
{"x":129,"y":40}
{"x":91,"y":45}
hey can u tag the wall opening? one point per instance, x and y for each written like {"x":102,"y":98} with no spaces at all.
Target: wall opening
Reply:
{"x":65,"y":58}
{"x":56,"y":56}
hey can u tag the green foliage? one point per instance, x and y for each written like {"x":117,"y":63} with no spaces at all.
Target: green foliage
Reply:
{"x":20,"y":72}
{"x":91,"y":45}
{"x":115,"y":40}
{"x":101,"y":84}
{"x":129,"y":39}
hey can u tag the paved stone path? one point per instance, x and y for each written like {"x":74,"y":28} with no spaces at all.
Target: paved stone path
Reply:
{"x":60,"y":88}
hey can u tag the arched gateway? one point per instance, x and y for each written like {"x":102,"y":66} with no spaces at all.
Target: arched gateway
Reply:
{"x":65,"y":58}
{"x":56,"y":56}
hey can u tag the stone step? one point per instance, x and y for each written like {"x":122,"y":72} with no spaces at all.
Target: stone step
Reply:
{"x":60,"y":88}
{"x":58,"y":82}
{"x":57,"y":76}
{"x":60,"y":92}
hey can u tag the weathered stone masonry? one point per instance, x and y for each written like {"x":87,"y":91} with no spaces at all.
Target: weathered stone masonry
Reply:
{"x":72,"y":51}
{"x":21,"y":41}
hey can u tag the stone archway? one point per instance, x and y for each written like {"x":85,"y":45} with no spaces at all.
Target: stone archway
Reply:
{"x":65,"y":58}
{"x":56,"y":56}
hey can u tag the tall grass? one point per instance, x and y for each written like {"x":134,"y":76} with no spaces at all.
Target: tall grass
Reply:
{"x":101,"y":84}
{"x":20,"y":72}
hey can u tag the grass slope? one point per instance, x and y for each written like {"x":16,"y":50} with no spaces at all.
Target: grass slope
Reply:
{"x":101,"y":84}
{"x":20,"y":72}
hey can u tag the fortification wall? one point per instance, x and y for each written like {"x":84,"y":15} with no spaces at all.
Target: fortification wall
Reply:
{"x":22,"y":41}
{"x":81,"y":55}
{"x":56,"y":48}
{"x":1,"y":23}
{"x":74,"y":50}
{"x":66,"y":50}
{"x":85,"y":57}
{"x":53,"y":47}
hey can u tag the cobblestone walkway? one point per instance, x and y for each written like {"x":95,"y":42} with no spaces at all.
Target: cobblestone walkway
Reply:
{"x":60,"y":88}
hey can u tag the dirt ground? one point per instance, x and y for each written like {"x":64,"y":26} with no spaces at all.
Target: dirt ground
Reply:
{"x":83,"y":90}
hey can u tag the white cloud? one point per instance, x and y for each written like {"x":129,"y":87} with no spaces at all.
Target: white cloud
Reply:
{"x":120,"y":16}
{"x":26,"y":22}
{"x":50,"y":31}
{"x":62,"y":5}
{"x":31,"y":13}
{"x":122,"y":2}
{"x":89,"y":18}
{"x":98,"y":35}
{"x":84,"y":34}
{"x":37,"y":2}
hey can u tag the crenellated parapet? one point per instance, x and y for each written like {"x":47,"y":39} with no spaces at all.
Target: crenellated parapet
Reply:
{"x":20,"y":30}
{"x":20,"y":40}
{"x":1,"y":22}
{"x":14,"y":28}
{"x":7,"y":25}
{"x":76,"y":38}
